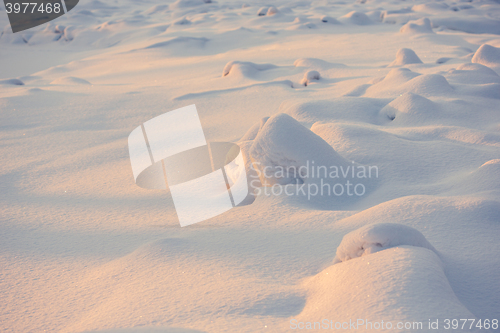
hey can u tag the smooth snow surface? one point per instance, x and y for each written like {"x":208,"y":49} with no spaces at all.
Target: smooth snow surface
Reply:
{"x":398,"y":101}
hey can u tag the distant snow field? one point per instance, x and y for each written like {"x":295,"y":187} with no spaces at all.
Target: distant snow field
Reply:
{"x":370,"y":134}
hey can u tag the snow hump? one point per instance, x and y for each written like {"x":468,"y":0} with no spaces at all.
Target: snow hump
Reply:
{"x":282,"y":142}
{"x":421,"y":26}
{"x":487,"y":55}
{"x":377,"y":237}
{"x":245,"y":68}
{"x":405,"y":57}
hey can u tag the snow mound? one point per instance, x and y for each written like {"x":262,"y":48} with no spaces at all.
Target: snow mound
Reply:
{"x":402,"y":80}
{"x":283,"y":144}
{"x":477,"y":67}
{"x":180,"y":4}
{"x":12,"y":82}
{"x":271,"y":11}
{"x":409,"y":109}
{"x":473,"y":73}
{"x":356,"y":18}
{"x":377,"y":237}
{"x":245,"y":68}
{"x":392,"y":84}
{"x":398,"y":76}
{"x":456,"y":217}
{"x":430,"y":8}
{"x":262,"y":11}
{"x":310,"y":76}
{"x":487,"y":55}
{"x":329,"y":19}
{"x":70,"y":81}
{"x":421,"y":26}
{"x":392,"y":284}
{"x":316,"y":64}
{"x":405,"y":57}
{"x":429,"y":85}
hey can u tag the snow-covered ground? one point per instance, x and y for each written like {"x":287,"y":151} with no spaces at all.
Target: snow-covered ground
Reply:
{"x":407,"y":89}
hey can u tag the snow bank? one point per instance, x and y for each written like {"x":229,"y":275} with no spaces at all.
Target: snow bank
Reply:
{"x":377,"y":237}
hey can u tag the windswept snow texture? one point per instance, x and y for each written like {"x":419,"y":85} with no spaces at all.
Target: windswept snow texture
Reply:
{"x":370,"y":141}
